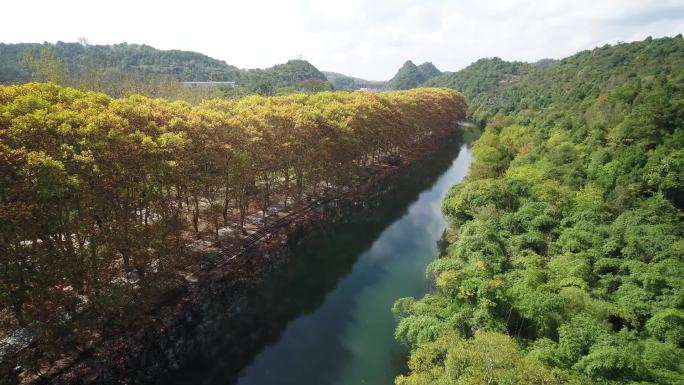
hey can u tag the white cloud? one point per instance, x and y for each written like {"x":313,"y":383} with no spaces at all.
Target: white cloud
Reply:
{"x":366,"y":38}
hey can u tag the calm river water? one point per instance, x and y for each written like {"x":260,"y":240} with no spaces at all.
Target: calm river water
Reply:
{"x":325,"y":317}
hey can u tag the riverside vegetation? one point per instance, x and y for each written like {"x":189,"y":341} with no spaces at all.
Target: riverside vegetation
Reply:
{"x":564,"y":261}
{"x":99,"y":196}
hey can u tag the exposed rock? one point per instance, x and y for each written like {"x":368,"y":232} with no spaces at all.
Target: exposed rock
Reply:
{"x":16,"y":341}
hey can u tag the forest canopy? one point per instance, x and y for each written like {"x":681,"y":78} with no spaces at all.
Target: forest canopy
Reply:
{"x":564,"y":261}
{"x":144,"y":69}
{"x":99,"y":196}
{"x":411,"y":76}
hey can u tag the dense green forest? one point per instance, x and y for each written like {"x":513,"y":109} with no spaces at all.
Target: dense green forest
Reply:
{"x":100,"y":196}
{"x":478,"y":80}
{"x":411,"y":76}
{"x":428,"y":70}
{"x":295,"y":73}
{"x":564,"y":260}
{"x":140,"y":59}
{"x":123,"y":69}
{"x":481,"y":79}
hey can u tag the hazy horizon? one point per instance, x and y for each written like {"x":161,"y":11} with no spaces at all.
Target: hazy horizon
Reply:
{"x":358,"y":38}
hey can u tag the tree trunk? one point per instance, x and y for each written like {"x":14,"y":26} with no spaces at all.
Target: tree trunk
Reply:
{"x":93,"y":265}
{"x":267,"y":195}
{"x":18,"y":297}
{"x":226,"y":201}
{"x":300,"y":185}
{"x":195,"y":215}
{"x":242,"y":205}
{"x":287,"y":187}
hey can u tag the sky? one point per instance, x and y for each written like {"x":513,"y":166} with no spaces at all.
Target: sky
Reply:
{"x":364,"y":38}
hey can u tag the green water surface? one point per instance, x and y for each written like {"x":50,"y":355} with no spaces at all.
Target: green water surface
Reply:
{"x":325,"y":317}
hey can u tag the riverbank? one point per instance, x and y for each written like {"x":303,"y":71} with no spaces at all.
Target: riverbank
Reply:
{"x":325,"y":317}
{"x":104,"y":200}
{"x":166,"y":338}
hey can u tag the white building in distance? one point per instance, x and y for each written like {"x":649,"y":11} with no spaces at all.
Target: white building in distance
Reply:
{"x":208,"y":84}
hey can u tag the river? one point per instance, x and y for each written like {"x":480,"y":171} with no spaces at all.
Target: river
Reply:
{"x":325,"y":317}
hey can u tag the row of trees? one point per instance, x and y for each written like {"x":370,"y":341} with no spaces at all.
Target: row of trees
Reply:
{"x":94,"y":189}
{"x":564,"y":262}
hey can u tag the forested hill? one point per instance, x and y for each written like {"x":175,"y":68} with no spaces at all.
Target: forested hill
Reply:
{"x":292,"y":72}
{"x":428,"y":70}
{"x":145,"y":62}
{"x":564,"y":260}
{"x":622,"y":69}
{"x":183,"y":65}
{"x":344,"y":82}
{"x":411,"y":76}
{"x":482,"y":77}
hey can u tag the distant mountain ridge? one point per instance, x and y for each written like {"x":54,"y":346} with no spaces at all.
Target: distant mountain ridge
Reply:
{"x":345,"y":82}
{"x":141,"y":59}
{"x":291,"y":72}
{"x":483,"y":76}
{"x":429,"y":70}
{"x":411,"y":76}
{"x":148,"y":61}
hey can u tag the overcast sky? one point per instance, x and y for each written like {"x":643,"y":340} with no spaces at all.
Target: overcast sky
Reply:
{"x":365,"y":38}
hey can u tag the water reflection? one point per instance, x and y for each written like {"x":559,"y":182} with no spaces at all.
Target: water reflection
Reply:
{"x":325,"y":318}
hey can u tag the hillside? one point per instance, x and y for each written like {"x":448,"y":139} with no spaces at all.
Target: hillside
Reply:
{"x":140,"y":59}
{"x":481,"y":77}
{"x":144,"y":63}
{"x":544,"y":62}
{"x":588,"y":74}
{"x":290,"y":73}
{"x":563,"y":260}
{"x":411,"y":76}
{"x":429,"y":70}
{"x":344,"y":82}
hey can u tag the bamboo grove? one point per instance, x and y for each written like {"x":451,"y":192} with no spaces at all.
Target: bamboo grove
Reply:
{"x":94,"y":188}
{"x":564,"y":259}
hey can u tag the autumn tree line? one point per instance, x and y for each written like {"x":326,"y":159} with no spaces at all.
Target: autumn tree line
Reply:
{"x":93,"y":188}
